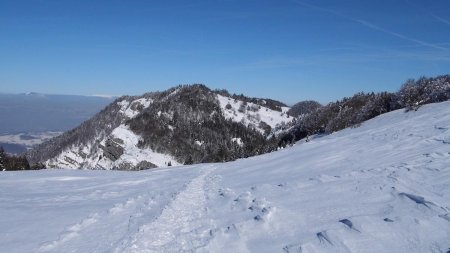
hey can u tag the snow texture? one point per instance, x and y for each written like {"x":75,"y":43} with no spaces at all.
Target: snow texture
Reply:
{"x":381,"y":187}
{"x":90,"y":156}
{"x":75,"y":157}
{"x":238,"y":112}
{"x":238,"y":141}
{"x":130,"y":109}
{"x":133,"y":154}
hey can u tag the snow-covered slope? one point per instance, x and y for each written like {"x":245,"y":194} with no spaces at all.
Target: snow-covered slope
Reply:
{"x":120,"y":146}
{"x":253,"y":115}
{"x":382,"y":187}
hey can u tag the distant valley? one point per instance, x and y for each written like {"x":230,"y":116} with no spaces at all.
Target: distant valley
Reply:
{"x":21,"y":142}
{"x":31,"y":118}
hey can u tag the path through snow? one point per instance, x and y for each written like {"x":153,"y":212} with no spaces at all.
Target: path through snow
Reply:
{"x":180,"y":227}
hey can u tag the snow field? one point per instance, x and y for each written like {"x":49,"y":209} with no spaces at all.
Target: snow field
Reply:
{"x":381,"y":187}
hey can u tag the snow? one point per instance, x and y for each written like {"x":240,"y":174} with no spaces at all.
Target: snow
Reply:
{"x":238,"y":141}
{"x":133,"y":154}
{"x":199,"y":143}
{"x":176,"y":91}
{"x":129,"y":109}
{"x":90,"y":156}
{"x":123,"y":105}
{"x":255,"y":116}
{"x":381,"y":187}
{"x":72,"y":158}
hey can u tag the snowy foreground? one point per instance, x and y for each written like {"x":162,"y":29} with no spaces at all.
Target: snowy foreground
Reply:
{"x":382,"y":187}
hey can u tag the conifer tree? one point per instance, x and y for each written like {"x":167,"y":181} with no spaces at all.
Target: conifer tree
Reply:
{"x":2,"y":158}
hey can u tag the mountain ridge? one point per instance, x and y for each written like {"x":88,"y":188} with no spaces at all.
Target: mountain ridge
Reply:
{"x":182,"y":125}
{"x":193,"y":124}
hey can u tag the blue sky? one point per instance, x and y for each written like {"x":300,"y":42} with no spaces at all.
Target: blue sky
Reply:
{"x":284,"y":49}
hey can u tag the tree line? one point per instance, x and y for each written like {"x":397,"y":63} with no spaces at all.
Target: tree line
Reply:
{"x":191,"y":127}
{"x":12,"y":162}
{"x":351,"y":111}
{"x":186,"y":122}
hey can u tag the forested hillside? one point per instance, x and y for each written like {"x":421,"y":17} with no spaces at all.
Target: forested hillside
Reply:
{"x":351,"y":111}
{"x":183,"y":125}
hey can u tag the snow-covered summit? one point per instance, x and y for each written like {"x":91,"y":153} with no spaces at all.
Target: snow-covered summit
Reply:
{"x":183,"y":125}
{"x":381,"y":187}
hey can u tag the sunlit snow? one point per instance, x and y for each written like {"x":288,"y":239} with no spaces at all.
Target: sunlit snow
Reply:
{"x":254,"y":115}
{"x":381,"y":187}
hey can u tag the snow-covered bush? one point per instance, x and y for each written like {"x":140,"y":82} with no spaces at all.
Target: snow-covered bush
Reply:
{"x":413,"y":93}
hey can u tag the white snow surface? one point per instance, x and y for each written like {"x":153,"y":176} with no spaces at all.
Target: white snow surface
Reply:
{"x":381,"y":187}
{"x":133,"y":154}
{"x":129,"y":108}
{"x":255,"y":115}
{"x":238,"y":141}
{"x":72,"y":158}
{"x":90,"y":156}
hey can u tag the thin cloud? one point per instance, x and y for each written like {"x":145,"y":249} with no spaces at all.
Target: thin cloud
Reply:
{"x":445,"y":21}
{"x":398,"y":35}
{"x":373,"y":26}
{"x":423,"y":9}
{"x":359,"y":59}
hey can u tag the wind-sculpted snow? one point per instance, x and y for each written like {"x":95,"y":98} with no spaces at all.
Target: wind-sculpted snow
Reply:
{"x":382,"y":187}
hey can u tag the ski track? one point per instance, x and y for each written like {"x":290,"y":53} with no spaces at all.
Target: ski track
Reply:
{"x":126,"y":216}
{"x":179,"y":227}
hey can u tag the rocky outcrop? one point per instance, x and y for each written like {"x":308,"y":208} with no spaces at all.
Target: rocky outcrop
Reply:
{"x":113,"y":149}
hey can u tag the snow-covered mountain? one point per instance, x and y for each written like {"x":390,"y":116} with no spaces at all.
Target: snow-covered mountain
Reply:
{"x":183,"y":125}
{"x":381,"y":187}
